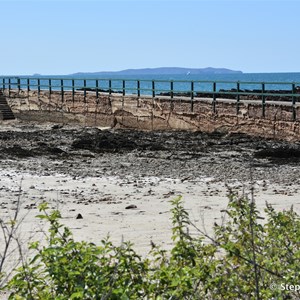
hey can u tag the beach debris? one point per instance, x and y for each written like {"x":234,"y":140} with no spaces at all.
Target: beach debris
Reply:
{"x":131,"y":206}
{"x":79,"y":216}
{"x":30,"y":206}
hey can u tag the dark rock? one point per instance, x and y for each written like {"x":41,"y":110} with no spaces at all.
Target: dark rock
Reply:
{"x":87,"y":89}
{"x":79,"y":216}
{"x":57,"y":126}
{"x":131,"y":206}
{"x":18,"y":151}
{"x":104,"y":141}
{"x":281,"y":152}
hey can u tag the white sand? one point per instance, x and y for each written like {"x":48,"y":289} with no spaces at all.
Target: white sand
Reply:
{"x":102,"y":202}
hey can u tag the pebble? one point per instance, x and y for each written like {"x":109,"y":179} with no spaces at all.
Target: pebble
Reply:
{"x":79,"y":216}
{"x":131,"y":206}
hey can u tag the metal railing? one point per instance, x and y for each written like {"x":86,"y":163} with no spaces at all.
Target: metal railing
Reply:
{"x":288,"y":92}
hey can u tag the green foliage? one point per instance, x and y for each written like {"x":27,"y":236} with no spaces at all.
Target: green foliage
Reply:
{"x":246,"y":260}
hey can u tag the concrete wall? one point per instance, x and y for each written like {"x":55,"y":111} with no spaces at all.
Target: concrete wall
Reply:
{"x":156,"y":114}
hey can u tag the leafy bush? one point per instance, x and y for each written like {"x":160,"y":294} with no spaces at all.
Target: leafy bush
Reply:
{"x":247,"y":259}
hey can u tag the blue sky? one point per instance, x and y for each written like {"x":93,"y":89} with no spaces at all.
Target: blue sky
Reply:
{"x":68,"y":36}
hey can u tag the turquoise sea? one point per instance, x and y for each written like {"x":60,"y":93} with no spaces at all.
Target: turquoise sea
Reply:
{"x":252,"y":77}
{"x":224,"y":81}
{"x":181,"y":83}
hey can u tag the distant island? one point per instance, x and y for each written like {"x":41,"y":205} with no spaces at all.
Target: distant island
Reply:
{"x":163,"y":71}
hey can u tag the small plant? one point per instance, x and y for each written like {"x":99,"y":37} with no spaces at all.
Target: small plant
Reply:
{"x":10,"y":243}
{"x":246,"y":259}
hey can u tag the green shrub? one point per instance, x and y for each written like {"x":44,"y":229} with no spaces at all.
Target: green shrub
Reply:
{"x":245,"y":260}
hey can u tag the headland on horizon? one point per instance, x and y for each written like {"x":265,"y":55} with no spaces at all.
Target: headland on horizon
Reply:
{"x":164,"y":71}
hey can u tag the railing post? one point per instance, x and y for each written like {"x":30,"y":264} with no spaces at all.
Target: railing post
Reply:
{"x":50,"y":87}
{"x":172,"y":89}
{"x":153,"y":89}
{"x":73,"y":90}
{"x":84,"y":89}
{"x":214,"y":96}
{"x":139,"y":89}
{"x":192,"y":96}
{"x":294,"y":102}
{"x":263,"y":98}
{"x":238,"y":97}
{"x":123,"y":88}
{"x":97,"y":86}
{"x":39,"y":87}
{"x":3,"y":84}
{"x":19,"y":85}
{"x":28,"y":85}
{"x":153,"y":96}
{"x":62,"y":90}
{"x":9,"y":87}
{"x":50,"y":90}
{"x":109,"y":86}
{"x":84,"y":96}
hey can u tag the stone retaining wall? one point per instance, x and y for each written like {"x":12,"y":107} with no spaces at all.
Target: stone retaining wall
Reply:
{"x":156,"y":114}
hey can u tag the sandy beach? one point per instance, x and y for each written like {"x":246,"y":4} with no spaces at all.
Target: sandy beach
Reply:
{"x":121,"y":181}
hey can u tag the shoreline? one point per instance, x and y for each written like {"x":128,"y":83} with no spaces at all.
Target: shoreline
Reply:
{"x":62,"y":165}
{"x":121,"y":181}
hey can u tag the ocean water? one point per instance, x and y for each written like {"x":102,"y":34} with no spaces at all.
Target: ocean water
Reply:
{"x":181,"y":83}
